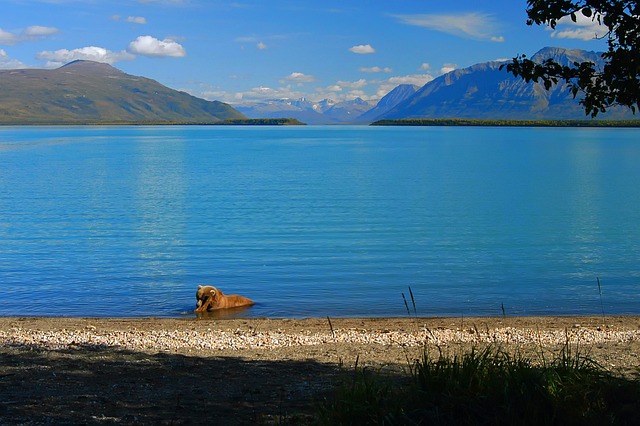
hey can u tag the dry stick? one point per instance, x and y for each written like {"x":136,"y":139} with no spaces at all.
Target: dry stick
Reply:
{"x":600,"y":291}
{"x":406,"y":304}
{"x":413,"y":301}
{"x":333,"y":333}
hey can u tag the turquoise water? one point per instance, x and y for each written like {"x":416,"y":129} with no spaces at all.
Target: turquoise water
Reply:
{"x":319,"y":221}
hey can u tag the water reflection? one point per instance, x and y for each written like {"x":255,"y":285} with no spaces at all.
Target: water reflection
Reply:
{"x":158,"y":209}
{"x":231,"y":313}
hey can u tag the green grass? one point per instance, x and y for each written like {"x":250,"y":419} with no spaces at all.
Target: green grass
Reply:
{"x":489,"y":387}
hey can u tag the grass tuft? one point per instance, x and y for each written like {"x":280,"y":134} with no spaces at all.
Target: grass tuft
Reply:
{"x":486,"y":386}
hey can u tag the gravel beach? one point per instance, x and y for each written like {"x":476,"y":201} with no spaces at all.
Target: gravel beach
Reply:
{"x":248,"y":371}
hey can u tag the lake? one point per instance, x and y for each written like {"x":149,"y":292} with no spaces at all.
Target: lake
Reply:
{"x":318,"y":221}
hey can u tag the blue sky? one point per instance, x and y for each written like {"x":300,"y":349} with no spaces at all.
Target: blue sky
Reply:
{"x":247,"y":50}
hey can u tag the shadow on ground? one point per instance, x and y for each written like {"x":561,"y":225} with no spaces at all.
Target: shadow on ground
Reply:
{"x":89,"y":385}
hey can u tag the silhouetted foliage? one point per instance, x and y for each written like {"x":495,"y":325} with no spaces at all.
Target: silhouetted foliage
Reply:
{"x":618,"y":82}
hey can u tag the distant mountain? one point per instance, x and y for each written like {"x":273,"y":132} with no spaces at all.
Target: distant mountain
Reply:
{"x":93,"y":92}
{"x":483,"y":91}
{"x":390,"y":100}
{"x":326,"y":111}
{"x":349,"y":111}
{"x":300,"y":109}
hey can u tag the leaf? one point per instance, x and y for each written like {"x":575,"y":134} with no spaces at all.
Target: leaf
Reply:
{"x":573,"y":17}
{"x":587,"y":12}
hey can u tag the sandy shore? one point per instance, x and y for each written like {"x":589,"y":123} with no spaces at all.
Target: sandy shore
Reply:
{"x":243,"y":371}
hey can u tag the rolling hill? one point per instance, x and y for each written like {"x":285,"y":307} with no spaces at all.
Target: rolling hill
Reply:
{"x":92,"y":92}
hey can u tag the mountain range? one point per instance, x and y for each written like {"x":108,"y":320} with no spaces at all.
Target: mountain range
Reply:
{"x":481,"y":91}
{"x":326,"y":111}
{"x":93,"y":92}
{"x":484,"y":91}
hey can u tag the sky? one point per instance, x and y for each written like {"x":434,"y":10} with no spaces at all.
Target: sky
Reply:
{"x":251,"y":50}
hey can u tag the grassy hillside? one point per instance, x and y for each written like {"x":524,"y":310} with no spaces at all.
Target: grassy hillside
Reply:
{"x":92,"y":92}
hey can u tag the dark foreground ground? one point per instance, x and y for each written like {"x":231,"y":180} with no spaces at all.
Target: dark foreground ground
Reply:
{"x":255,"y":371}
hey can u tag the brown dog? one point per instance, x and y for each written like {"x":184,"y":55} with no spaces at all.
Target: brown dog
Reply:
{"x":209,"y":298}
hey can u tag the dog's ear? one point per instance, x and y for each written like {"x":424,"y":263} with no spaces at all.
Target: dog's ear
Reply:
{"x":199,"y":287}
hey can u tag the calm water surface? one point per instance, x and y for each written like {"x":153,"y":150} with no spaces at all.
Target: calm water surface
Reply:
{"x":319,"y":221}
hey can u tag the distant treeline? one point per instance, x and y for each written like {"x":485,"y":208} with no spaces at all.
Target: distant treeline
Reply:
{"x":261,"y":122}
{"x":506,"y":123}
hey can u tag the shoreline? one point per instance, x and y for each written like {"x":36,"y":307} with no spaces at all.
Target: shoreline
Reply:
{"x":202,"y":334}
{"x":613,"y":342}
{"x":255,"y":371}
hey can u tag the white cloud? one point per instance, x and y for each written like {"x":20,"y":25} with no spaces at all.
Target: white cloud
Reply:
{"x":353,"y":94}
{"x":446,"y":68}
{"x":7,"y":38}
{"x":376,"y":69}
{"x":425,"y":66}
{"x":341,"y":91}
{"x":583,"y":29}
{"x":8,"y":63}
{"x":474,"y":25}
{"x":358,"y":84}
{"x":263,"y":93}
{"x":35,"y":31}
{"x":132,"y":19}
{"x":417,"y":79}
{"x":261,"y":46}
{"x":30,"y":33}
{"x":151,"y":46}
{"x":60,"y":57}
{"x":362,"y":49}
{"x":137,"y":20}
{"x":298,"y":77}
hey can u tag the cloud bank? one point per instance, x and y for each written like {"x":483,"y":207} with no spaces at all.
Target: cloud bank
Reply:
{"x":57,"y":58}
{"x":33,"y":32}
{"x":143,"y":45}
{"x":376,"y":69}
{"x":583,"y":29}
{"x":477,"y":26}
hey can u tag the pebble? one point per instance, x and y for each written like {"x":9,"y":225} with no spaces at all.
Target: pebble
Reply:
{"x":171,"y":340}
